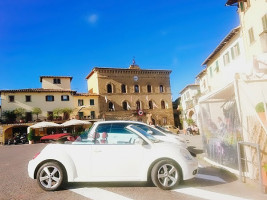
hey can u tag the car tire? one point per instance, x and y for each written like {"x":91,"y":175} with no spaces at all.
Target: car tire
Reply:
{"x":50,"y":176}
{"x":166,"y":174}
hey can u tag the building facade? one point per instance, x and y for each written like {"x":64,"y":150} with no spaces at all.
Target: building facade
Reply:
{"x":133,"y":94}
{"x":224,"y":62}
{"x":55,"y":94}
{"x":233,"y":85}
{"x":189,"y":99}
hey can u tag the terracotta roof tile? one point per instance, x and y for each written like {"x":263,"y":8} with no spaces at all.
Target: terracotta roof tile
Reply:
{"x":37,"y":90}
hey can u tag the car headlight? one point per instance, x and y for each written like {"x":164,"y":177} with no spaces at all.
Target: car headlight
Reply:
{"x":186,"y":154}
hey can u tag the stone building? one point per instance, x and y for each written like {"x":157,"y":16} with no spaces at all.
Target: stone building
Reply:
{"x":133,"y":94}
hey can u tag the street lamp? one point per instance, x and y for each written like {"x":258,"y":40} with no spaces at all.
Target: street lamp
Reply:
{"x":80,"y":110}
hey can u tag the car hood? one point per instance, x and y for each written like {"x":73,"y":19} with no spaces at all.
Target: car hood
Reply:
{"x":173,"y":138}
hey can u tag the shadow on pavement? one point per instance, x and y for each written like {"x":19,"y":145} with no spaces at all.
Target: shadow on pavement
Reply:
{"x":107,"y":184}
{"x":210,"y":176}
{"x":195,"y":182}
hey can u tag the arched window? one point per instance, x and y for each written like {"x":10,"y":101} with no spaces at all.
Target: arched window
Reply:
{"x":163,"y":104}
{"x":136,"y":88}
{"x":149,"y":89}
{"x":109,"y":88}
{"x":111,"y":106}
{"x":161,"y":89}
{"x":150,"y":105}
{"x":138,"y":105}
{"x":123,"y":88}
{"x":125,"y":105}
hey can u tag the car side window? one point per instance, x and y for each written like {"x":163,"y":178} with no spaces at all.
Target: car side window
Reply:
{"x":149,"y":129}
{"x":115,"y":133}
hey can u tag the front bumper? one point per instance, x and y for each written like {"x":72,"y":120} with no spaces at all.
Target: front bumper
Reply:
{"x":31,"y":168}
{"x":190,"y":170}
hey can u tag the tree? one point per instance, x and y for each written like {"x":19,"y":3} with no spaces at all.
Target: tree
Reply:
{"x":10,"y":116}
{"x":66,"y":113}
{"x":36,"y":111}
{"x":19,"y":112}
{"x":57,"y":112}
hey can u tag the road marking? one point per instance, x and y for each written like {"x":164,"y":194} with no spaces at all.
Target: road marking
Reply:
{"x":98,"y":194}
{"x":207,"y":194}
{"x":210,"y":178}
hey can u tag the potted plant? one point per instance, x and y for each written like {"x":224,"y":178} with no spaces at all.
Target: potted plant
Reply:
{"x":56,"y":113}
{"x":20,"y":112}
{"x":260,"y":109}
{"x":36,"y":111}
{"x":31,"y":137}
{"x":66,"y":113}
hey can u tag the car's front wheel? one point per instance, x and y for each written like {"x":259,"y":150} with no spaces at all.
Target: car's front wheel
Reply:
{"x":50,"y":176}
{"x":165,"y":174}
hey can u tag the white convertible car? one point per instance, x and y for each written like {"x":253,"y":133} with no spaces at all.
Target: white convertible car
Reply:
{"x":156,"y":131}
{"x":119,"y":153}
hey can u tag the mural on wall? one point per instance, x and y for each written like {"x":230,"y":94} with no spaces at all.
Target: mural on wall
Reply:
{"x":221,"y":130}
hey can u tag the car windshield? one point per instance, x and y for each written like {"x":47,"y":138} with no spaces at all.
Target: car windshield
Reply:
{"x":149,"y":129}
{"x":164,"y":130}
{"x":144,"y":133}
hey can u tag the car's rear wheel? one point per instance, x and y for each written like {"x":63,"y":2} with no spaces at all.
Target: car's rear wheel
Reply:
{"x":165,"y":174}
{"x":50,"y":176}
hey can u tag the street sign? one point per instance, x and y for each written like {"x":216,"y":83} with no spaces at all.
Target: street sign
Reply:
{"x":140,"y":112}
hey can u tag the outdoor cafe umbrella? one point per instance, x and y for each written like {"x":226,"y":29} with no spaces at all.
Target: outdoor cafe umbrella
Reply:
{"x":75,"y":122}
{"x":45,"y":125}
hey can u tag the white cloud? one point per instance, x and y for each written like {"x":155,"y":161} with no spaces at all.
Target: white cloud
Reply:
{"x":92,"y":19}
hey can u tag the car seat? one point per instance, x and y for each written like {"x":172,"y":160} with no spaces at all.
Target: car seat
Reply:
{"x":95,"y":136}
{"x":104,"y":138}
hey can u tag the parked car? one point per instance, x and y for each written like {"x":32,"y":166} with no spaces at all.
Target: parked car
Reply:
{"x":113,"y":152}
{"x":171,"y":128}
{"x":152,"y":130}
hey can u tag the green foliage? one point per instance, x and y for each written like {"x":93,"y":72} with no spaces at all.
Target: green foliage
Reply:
{"x":260,"y":107}
{"x":36,"y":111}
{"x":190,"y":122}
{"x":19,"y":112}
{"x":31,"y":135}
{"x":67,"y":110}
{"x":9,"y":116}
{"x":66,"y":113}
{"x":57,"y":112}
{"x":265,"y":167}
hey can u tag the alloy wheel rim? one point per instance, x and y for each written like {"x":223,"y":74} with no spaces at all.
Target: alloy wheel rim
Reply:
{"x":167,"y":175}
{"x":50,"y":177}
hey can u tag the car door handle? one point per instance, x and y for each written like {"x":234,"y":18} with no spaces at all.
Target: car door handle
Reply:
{"x":97,"y":151}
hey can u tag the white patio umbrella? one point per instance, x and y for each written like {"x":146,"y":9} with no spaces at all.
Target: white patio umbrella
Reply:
{"x":75,"y":122}
{"x":45,"y":125}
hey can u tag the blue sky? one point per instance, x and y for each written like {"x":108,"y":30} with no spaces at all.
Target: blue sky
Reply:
{"x":70,"y":38}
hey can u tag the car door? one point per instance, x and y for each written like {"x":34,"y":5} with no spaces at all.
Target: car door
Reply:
{"x":117,"y":158}
{"x":80,"y":152}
